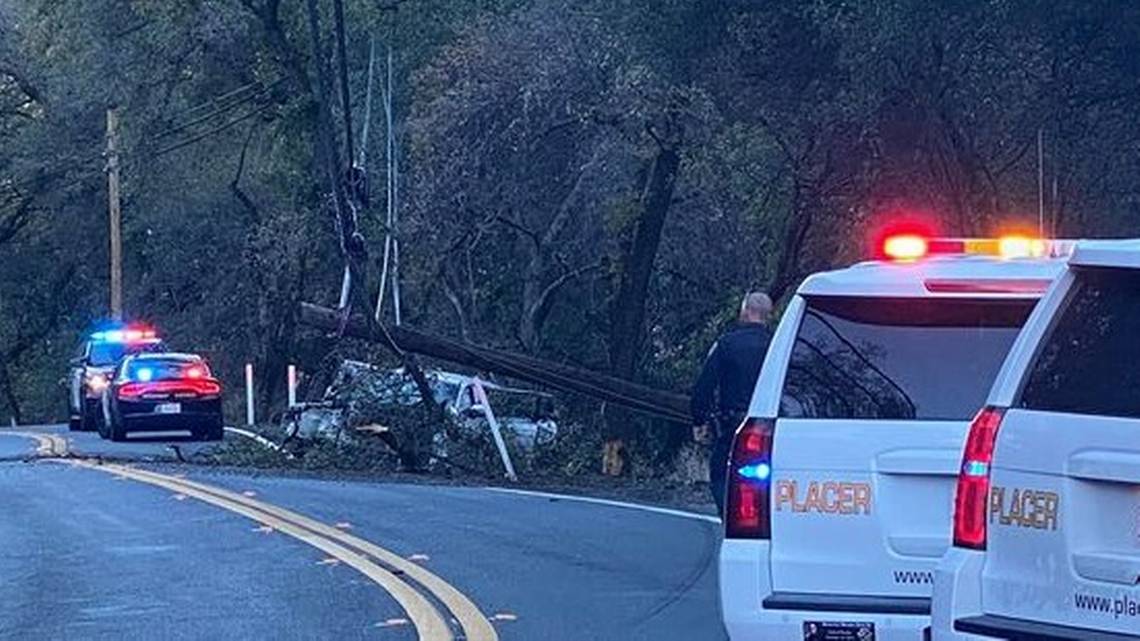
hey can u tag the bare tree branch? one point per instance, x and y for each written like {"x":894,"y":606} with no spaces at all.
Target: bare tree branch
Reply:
{"x":235,"y":186}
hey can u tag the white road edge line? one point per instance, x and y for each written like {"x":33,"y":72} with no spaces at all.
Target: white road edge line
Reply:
{"x":41,"y":444}
{"x":255,"y":436}
{"x":610,"y":503}
{"x":260,"y":439}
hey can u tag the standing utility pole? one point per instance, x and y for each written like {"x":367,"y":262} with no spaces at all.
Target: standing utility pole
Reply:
{"x":115,"y":208}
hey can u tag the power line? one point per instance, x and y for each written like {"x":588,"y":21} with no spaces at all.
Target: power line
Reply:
{"x":230,"y":94}
{"x":219,"y":129}
{"x":362,"y":161}
{"x":217,"y":112}
{"x":85,"y":172}
{"x":83,"y":177}
{"x":16,"y":186}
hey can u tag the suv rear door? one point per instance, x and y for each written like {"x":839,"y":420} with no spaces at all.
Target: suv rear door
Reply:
{"x":876,"y":402}
{"x":1063,"y":522}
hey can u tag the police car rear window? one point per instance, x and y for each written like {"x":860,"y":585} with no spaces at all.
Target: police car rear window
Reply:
{"x":1088,"y":362}
{"x":106,"y":353}
{"x":161,"y":369}
{"x":898,"y":358}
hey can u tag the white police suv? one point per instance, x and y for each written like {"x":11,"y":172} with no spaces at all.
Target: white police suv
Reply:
{"x":841,"y":482}
{"x":1047,"y":514}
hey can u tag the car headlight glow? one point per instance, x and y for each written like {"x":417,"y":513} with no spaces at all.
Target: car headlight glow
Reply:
{"x":97,"y":382}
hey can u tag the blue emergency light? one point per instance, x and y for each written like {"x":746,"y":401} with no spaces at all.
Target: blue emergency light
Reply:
{"x":756,"y":471}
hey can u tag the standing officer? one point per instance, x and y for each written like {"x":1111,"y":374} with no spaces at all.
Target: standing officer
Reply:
{"x":724,"y":387}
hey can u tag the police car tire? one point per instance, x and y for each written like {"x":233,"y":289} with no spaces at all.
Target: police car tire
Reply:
{"x":211,"y":433}
{"x":116,"y":432}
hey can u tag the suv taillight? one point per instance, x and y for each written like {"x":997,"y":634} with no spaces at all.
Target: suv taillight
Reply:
{"x":972,"y":498}
{"x":747,"y":513}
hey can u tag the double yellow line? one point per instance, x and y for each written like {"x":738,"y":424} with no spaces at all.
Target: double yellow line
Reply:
{"x":381,"y":566}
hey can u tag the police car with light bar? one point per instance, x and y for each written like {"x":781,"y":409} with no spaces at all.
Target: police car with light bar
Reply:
{"x":93,"y":365}
{"x":1047,"y":510}
{"x":841,"y":480}
{"x":163,"y":392}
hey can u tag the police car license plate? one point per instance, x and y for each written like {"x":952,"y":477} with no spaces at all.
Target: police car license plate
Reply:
{"x":168,"y":408}
{"x":838,"y":631}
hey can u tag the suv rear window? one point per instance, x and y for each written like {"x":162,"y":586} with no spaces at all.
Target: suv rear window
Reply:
{"x":106,"y":353}
{"x":1089,"y":362}
{"x":898,"y":358}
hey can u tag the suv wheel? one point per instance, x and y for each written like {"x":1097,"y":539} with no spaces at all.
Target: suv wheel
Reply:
{"x":92,"y":417}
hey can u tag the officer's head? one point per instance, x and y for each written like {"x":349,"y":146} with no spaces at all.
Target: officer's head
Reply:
{"x":755,"y":308}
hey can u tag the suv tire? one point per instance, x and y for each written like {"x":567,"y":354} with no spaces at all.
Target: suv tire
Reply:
{"x":91,"y":417}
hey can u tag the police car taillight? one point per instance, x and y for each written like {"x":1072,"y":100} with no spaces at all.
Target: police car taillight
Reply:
{"x":201,"y":387}
{"x":747,"y":506}
{"x":972,"y":498}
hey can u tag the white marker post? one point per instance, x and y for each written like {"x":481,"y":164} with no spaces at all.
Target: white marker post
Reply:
{"x":292,"y":379}
{"x":485,"y":404}
{"x":249,"y":394}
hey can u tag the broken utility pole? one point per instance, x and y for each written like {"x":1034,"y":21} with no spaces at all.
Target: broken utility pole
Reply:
{"x":668,"y":405}
{"x":352,"y":243}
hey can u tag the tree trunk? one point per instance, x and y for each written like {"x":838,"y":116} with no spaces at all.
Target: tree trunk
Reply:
{"x":627,"y":313}
{"x":537,"y":293}
{"x":795,"y":234}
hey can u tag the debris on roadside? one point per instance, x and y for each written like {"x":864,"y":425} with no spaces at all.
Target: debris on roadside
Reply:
{"x":368,"y":402}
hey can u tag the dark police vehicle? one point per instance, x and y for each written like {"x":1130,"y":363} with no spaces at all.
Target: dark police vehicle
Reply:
{"x":161,"y":392}
{"x":91,"y":370}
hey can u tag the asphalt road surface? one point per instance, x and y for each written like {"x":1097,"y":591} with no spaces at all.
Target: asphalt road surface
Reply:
{"x":112,"y":543}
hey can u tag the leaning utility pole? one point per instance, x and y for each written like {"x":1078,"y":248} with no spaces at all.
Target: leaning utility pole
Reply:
{"x":116,"y":212}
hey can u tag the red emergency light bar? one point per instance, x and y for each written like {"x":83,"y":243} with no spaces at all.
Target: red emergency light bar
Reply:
{"x":910,"y":247}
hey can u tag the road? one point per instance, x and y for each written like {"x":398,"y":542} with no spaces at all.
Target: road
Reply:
{"x":137,"y":549}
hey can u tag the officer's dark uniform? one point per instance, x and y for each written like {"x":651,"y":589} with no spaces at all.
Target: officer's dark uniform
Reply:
{"x":723,"y":391}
